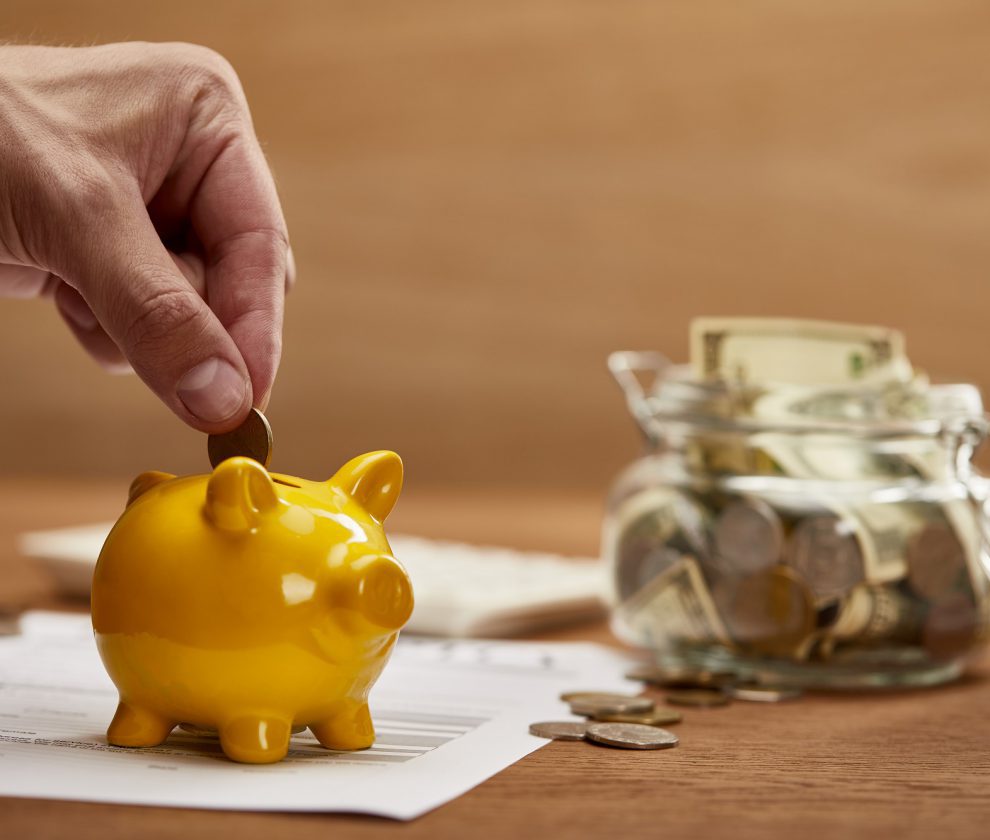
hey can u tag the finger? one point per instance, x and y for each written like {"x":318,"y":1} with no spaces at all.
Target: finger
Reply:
{"x":237,"y":218}
{"x":87,"y":330}
{"x":192,"y":268}
{"x":163,"y":327}
{"x":24,"y":281}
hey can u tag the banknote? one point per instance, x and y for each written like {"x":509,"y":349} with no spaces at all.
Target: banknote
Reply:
{"x":796,"y":351}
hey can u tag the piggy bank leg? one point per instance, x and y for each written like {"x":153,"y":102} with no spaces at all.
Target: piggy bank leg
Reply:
{"x":136,"y":727}
{"x":349,"y":729}
{"x":256,"y":739}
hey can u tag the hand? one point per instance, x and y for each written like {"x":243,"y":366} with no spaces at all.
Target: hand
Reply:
{"x":133,"y":189}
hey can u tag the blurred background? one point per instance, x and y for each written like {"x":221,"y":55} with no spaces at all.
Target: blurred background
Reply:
{"x":486,"y":198}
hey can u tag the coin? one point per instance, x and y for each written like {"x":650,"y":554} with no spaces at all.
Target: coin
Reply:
{"x":614,"y":705}
{"x":656,"y":717}
{"x":252,"y":439}
{"x":952,"y":627}
{"x":936,"y":561}
{"x":825,"y":552}
{"x":762,"y":693}
{"x":559,"y":730}
{"x":681,"y":677}
{"x":772,"y":612}
{"x":654,"y":529}
{"x":749,"y":536}
{"x":605,"y":697}
{"x":702,"y":698}
{"x":631,"y":736}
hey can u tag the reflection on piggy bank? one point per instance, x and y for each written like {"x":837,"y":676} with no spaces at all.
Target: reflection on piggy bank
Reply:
{"x":251,"y":603}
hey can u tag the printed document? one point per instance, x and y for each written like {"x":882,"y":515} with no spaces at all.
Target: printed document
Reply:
{"x":448,"y":715}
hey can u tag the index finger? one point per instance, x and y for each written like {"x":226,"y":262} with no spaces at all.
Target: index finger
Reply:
{"x":238,"y":219}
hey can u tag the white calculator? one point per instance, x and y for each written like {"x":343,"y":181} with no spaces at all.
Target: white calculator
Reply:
{"x":461,"y":590}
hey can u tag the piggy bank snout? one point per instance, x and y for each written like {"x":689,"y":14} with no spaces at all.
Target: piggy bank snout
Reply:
{"x":383,"y":592}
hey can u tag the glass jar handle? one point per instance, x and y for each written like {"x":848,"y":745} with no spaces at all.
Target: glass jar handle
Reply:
{"x":965,"y":436}
{"x":637,"y":372}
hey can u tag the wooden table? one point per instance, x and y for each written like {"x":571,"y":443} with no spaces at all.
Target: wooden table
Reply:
{"x":907,"y":764}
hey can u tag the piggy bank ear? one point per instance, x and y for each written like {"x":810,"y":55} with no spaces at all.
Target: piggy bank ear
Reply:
{"x":144,"y":482}
{"x":373,"y":480}
{"x":240,"y":492}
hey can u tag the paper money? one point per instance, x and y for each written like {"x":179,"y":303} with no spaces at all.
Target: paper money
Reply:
{"x":675,"y":607}
{"x":796,"y":352}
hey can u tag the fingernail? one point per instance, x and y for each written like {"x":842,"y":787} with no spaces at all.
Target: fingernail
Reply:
{"x":78,"y":312}
{"x":213,"y":390}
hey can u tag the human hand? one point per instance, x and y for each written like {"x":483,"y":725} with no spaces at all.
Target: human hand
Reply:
{"x":133,"y":189}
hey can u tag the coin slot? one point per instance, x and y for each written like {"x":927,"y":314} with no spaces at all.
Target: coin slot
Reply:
{"x":286,"y":483}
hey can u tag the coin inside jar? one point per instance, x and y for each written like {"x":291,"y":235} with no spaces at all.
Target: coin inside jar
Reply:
{"x":252,"y":439}
{"x":656,"y":528}
{"x":936,"y":561}
{"x":771,"y":613}
{"x":951,"y":627}
{"x":749,"y":536}
{"x":824,"y":550}
{"x":631,"y":736}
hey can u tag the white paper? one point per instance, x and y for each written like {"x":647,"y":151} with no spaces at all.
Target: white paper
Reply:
{"x":449,"y":714}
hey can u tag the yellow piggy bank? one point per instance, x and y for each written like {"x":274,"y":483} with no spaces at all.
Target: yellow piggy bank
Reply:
{"x":251,"y":603}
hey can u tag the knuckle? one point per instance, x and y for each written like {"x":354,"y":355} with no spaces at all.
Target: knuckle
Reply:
{"x":208,"y":69}
{"x":162,"y":317}
{"x":86,"y":190}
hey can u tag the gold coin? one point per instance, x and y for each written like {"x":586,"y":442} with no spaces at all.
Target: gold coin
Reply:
{"x":252,"y":439}
{"x":657,"y":717}
{"x":559,"y":730}
{"x":763,"y":693}
{"x":771,"y":613}
{"x":702,"y":698}
{"x":601,"y":697}
{"x":614,"y":706}
{"x":681,"y":677}
{"x":631,"y":736}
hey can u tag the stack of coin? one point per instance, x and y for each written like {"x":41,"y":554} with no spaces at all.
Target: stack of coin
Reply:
{"x":634,"y":722}
{"x":618,"y":708}
{"x":708,"y":689}
{"x":623,"y":736}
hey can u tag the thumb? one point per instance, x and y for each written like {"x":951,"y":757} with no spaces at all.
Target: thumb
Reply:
{"x":170,"y":336}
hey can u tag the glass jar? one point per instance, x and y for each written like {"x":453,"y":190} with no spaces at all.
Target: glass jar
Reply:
{"x":805,"y":536}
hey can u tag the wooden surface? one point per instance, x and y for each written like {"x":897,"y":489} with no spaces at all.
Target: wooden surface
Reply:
{"x":905,"y":765}
{"x":486,"y":198}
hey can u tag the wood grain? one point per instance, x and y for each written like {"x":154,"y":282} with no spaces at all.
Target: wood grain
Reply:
{"x":901,"y":764}
{"x":485,"y":199}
